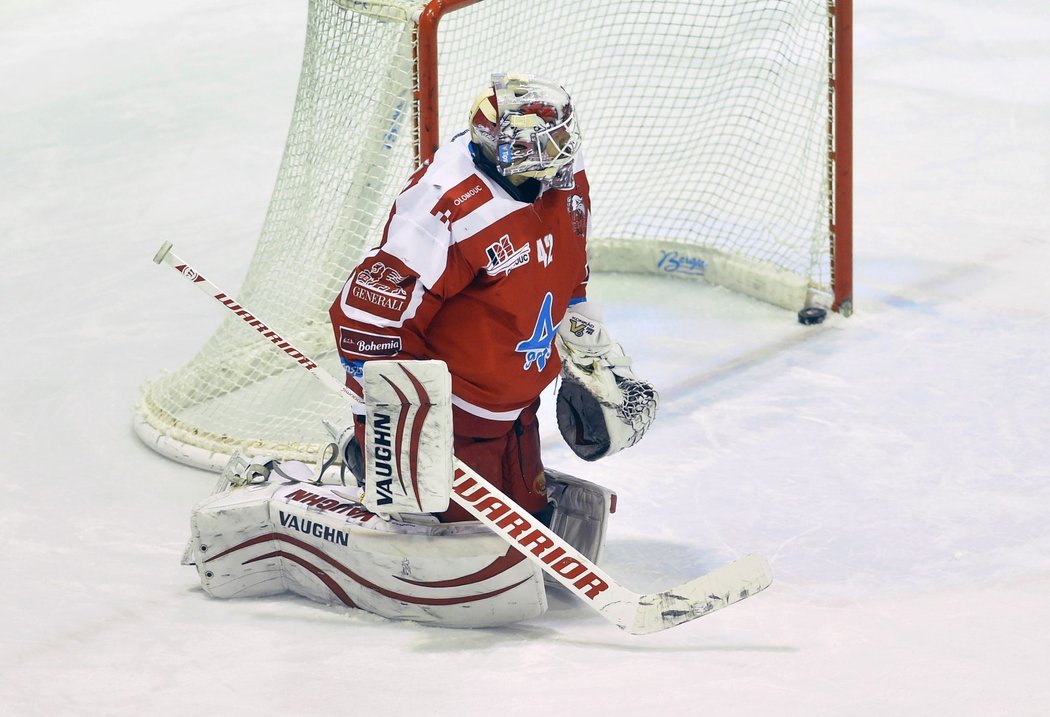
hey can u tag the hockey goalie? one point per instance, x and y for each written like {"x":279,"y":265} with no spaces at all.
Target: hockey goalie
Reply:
{"x":472,"y":304}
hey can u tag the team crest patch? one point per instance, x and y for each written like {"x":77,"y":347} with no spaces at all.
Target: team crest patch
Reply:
{"x":504,"y":258}
{"x":577,"y":214}
{"x":384,"y":285}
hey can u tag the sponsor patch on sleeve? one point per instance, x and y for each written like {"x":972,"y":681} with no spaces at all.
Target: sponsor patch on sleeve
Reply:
{"x":362,"y":343}
{"x":383,"y":286}
{"x":461,"y":200}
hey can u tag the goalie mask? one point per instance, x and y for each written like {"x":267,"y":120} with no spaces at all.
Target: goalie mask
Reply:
{"x":527,"y":127}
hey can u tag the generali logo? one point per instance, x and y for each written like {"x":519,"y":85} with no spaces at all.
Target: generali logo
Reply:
{"x":383,"y":286}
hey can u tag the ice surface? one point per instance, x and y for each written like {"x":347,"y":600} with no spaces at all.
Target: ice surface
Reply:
{"x":894,"y":466}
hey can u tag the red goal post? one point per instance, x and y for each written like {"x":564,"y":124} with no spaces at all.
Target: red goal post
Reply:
{"x":840,"y":153}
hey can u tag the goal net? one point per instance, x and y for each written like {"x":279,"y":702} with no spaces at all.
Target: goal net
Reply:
{"x":716,"y":137}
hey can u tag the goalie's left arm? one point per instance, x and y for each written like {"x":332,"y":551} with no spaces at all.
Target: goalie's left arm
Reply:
{"x":602,"y":407}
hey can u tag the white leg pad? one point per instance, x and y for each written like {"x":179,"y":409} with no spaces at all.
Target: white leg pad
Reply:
{"x":317,"y":542}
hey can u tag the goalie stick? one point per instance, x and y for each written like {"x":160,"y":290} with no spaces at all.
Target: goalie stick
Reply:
{"x":636,"y":613}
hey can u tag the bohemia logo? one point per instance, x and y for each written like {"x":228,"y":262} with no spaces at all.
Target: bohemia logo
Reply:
{"x":384,"y":286}
{"x":363,"y":343}
{"x":504,"y":258}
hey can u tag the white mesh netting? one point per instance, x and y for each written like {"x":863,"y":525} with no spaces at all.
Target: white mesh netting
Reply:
{"x":706,"y":132}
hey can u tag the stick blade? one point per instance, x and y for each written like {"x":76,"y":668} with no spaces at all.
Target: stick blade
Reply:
{"x":727,"y":585}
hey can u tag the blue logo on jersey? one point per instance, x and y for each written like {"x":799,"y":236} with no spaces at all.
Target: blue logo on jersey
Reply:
{"x":537,"y":348}
{"x":355,"y":369}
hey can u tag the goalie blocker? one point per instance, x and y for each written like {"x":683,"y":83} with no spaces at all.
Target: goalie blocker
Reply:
{"x":408,"y":436}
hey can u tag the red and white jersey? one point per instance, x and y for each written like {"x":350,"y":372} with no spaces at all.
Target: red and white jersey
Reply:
{"x":468,"y":274}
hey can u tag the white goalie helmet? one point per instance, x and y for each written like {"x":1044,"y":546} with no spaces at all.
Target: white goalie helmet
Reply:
{"x":527,"y":127}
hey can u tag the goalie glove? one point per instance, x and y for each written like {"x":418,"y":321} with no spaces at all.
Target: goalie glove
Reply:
{"x":602,"y":407}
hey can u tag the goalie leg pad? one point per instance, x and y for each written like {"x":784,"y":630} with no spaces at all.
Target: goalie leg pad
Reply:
{"x":312,"y":540}
{"x":581,"y":512}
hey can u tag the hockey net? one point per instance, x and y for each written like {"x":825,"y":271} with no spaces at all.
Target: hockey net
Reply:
{"x":716,"y":137}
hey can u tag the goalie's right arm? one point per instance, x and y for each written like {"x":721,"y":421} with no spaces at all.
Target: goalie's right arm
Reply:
{"x":602,"y":407}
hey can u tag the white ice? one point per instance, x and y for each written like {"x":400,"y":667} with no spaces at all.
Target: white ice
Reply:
{"x":894,"y":465}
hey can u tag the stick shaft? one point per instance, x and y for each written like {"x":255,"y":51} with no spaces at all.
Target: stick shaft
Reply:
{"x":166,"y":256}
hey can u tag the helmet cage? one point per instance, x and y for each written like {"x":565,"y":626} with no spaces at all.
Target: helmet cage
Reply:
{"x":531,"y":147}
{"x":534,"y":131}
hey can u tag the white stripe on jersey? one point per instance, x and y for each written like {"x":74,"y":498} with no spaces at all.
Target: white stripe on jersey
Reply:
{"x":470,"y":408}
